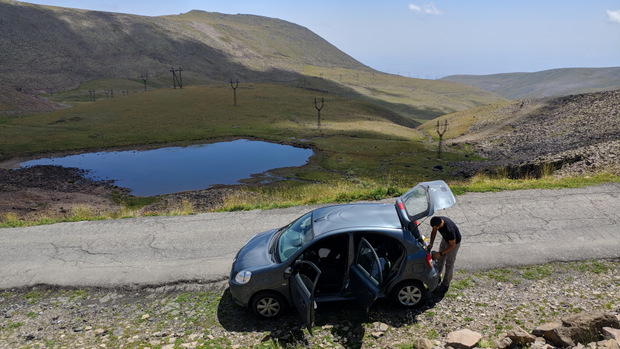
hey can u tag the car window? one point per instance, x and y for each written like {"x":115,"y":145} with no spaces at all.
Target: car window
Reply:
{"x":295,"y":236}
{"x":415,"y":201}
{"x":389,"y":250}
{"x":367,"y":261}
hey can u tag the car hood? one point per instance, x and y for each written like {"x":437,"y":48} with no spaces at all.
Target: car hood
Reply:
{"x":255,"y":254}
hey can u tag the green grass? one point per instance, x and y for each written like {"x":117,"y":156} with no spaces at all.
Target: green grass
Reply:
{"x":483,"y":183}
{"x":361,"y":153}
{"x":271,"y":112}
{"x":296,"y":193}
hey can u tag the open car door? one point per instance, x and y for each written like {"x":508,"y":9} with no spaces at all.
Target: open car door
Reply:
{"x":302,"y":285}
{"x":366,"y":275}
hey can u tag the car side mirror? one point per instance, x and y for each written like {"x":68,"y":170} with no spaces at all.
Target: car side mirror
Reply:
{"x":288,"y":272}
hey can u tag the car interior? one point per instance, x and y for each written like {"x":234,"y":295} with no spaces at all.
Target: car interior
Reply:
{"x":331,"y":256}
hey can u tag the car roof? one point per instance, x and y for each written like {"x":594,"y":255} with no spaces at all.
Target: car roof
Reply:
{"x":359,"y":216}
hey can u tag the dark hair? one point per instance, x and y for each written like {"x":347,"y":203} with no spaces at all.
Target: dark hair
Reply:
{"x":435,"y":222}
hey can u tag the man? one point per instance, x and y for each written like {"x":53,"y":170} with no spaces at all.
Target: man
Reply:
{"x":448,"y":248}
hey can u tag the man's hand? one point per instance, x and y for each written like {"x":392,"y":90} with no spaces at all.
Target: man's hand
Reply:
{"x":436,"y":255}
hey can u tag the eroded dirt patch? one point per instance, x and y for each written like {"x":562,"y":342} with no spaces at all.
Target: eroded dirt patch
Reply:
{"x":53,"y":191}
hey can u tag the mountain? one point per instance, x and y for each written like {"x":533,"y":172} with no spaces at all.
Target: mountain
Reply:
{"x":47,"y":49}
{"x":52,"y":48}
{"x":555,"y":82}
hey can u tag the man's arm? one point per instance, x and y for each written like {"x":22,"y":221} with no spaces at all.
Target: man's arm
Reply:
{"x":433,"y":234}
{"x":444,"y":252}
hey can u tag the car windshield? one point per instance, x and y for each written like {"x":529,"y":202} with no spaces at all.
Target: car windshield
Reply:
{"x":294,"y":236}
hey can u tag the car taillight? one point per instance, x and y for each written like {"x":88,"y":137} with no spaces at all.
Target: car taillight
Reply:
{"x":429,"y":259}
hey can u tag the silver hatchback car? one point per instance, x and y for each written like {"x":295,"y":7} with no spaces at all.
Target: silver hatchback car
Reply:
{"x":360,"y":251}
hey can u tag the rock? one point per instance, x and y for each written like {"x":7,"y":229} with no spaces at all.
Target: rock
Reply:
{"x":521,"y":337}
{"x":545,"y":330}
{"x":423,"y":343}
{"x":463,"y":339}
{"x":611,"y":333}
{"x":609,"y":344}
{"x":582,"y":328}
{"x":502,"y":343}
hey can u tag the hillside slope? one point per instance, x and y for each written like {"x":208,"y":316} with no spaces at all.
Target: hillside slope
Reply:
{"x":50,"y":49}
{"x":555,"y":82}
{"x":577,"y":134}
{"x":53,"y":48}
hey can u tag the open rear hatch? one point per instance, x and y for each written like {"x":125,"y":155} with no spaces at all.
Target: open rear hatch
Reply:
{"x":424,"y":200}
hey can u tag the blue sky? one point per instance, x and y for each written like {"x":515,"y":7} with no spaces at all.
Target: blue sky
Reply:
{"x":431,"y":39}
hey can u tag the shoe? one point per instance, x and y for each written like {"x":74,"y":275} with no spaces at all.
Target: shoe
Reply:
{"x":441,"y":289}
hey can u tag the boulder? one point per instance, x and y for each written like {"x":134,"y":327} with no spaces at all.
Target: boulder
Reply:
{"x":582,"y":328}
{"x":520,"y":336}
{"x":463,"y":339}
{"x":423,"y":343}
{"x":545,"y":330}
{"x":611,"y":333}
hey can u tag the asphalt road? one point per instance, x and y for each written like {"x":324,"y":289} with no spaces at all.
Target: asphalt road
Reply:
{"x":499,"y":229}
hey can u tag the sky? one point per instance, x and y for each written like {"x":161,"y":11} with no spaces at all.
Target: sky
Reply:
{"x":430,"y":39}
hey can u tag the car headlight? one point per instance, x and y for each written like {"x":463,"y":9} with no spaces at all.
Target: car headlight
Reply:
{"x":243,"y":277}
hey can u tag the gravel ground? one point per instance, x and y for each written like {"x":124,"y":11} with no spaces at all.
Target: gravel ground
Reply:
{"x":575,"y":135}
{"x":204,"y":316}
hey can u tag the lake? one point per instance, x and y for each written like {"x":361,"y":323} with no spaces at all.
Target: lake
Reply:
{"x":177,"y":169}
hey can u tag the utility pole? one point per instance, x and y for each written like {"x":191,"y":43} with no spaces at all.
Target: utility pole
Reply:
{"x":177,"y":79}
{"x":234,"y":87}
{"x":441,"y":130}
{"x":319,"y":109}
{"x":144,"y":77}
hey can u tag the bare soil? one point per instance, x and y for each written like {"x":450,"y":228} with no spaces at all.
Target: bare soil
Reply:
{"x":53,"y":191}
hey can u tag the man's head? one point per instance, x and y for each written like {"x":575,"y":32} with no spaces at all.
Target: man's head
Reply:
{"x":436,"y":222}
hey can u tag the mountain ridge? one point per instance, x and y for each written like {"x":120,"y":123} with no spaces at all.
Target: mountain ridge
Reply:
{"x":46,"y":50}
{"x":62,"y":47}
{"x":553,"y":82}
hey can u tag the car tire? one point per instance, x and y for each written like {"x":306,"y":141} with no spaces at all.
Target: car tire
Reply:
{"x":268,"y":305}
{"x":409,"y":294}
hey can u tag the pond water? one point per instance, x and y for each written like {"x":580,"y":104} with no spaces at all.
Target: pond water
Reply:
{"x":177,"y":169}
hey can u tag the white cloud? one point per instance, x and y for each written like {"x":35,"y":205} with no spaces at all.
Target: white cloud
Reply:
{"x":417,"y":8}
{"x":614,"y":16}
{"x":429,"y":9}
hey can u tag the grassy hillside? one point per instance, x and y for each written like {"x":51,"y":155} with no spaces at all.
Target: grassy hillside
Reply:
{"x":54,"y":50}
{"x":356,"y":140}
{"x":555,"y":82}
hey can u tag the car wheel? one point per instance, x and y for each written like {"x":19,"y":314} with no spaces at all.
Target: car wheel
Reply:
{"x":268,"y":305}
{"x":409,"y":294}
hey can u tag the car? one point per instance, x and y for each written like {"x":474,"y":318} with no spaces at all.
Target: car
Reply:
{"x":358,"y":251}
